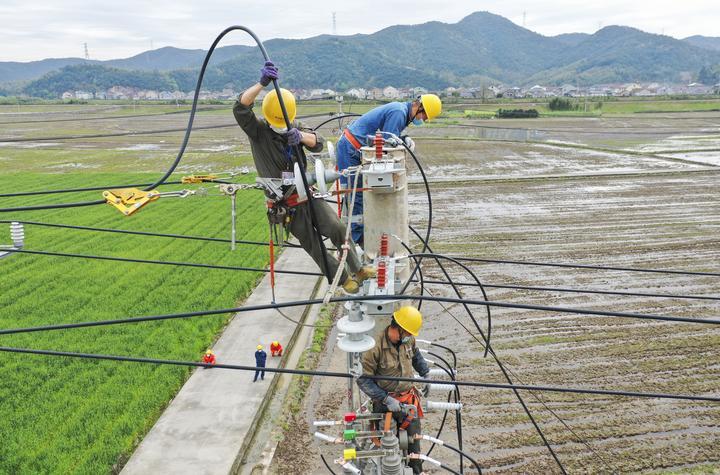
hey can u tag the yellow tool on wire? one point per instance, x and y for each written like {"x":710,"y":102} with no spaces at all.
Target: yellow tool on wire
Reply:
{"x":129,"y":200}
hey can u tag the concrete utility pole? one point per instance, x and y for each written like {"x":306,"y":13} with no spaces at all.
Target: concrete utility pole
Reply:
{"x":334,"y":30}
{"x":87,"y":54}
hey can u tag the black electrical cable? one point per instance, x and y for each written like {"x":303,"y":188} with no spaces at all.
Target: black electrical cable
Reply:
{"x":336,"y":117}
{"x":143,"y":233}
{"x":584,"y":266}
{"x":464,"y":454}
{"x":114,"y":134}
{"x":166,"y":263}
{"x":458,"y":415}
{"x":426,"y":241}
{"x":455,"y":392}
{"x":326,"y":464}
{"x":474,"y":384}
{"x":188,"y":130}
{"x":577,"y":291}
{"x":488,"y":349}
{"x":250,"y":308}
{"x":78,"y":190}
{"x":419,"y":270}
{"x":437,"y":257}
{"x":448,"y":469}
{"x":449,"y":350}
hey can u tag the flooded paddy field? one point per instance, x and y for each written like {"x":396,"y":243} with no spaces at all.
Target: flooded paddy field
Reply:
{"x":636,"y":191}
{"x":574,"y":191}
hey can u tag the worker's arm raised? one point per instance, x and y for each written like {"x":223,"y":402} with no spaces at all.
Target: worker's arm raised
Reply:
{"x":248,"y":97}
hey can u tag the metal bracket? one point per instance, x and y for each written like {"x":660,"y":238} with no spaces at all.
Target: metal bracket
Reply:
{"x":194,"y":179}
{"x":129,"y":200}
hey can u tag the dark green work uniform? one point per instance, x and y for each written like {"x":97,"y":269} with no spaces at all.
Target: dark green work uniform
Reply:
{"x":271,"y":155}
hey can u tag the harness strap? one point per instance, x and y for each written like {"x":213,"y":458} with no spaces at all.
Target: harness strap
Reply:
{"x":351,"y":138}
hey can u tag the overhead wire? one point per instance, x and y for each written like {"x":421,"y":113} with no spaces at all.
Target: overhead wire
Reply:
{"x":472,"y":384}
{"x":143,"y":233}
{"x":585,"y":266}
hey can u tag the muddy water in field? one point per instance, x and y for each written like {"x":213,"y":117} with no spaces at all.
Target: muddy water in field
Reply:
{"x":551,"y":203}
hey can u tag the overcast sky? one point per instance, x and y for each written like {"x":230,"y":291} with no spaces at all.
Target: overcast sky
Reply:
{"x":37,"y":29}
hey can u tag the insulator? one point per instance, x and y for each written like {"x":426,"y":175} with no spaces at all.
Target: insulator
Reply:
{"x":442,"y":387}
{"x":435,"y":372}
{"x":325,"y":437}
{"x":326,"y":423}
{"x":17,"y":234}
{"x":381,"y":274}
{"x":379,"y":142}
{"x":443,"y":406}
{"x":384,"y":244}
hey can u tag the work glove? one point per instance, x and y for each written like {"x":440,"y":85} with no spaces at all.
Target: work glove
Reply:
{"x":293,"y":137}
{"x":392,"y":404}
{"x":269,"y":72}
{"x":410,"y":143}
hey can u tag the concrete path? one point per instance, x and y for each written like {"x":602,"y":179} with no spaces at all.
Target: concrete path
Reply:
{"x":213,"y":416}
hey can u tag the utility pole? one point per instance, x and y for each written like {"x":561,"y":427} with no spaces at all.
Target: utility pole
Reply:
{"x":87,"y":54}
{"x":524,"y":17}
{"x":334,"y":25}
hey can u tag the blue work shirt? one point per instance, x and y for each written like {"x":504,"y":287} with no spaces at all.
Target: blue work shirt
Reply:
{"x":392,"y":117}
{"x":260,"y":357}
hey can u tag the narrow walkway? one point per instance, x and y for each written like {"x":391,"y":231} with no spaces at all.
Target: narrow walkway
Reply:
{"x":214,"y":414}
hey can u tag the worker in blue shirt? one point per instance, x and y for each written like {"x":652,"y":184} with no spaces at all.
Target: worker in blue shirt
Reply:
{"x":393,"y":118}
{"x":260,"y":357}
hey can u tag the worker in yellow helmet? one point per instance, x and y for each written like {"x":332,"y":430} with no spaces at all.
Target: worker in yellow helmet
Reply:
{"x":273,"y":149}
{"x":395,"y":354}
{"x":393,"y":118}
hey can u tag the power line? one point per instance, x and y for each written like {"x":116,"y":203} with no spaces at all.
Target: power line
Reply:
{"x":472,"y":384}
{"x":144,"y":233}
{"x":252,"y":308}
{"x":167,"y":263}
{"x":578,"y":291}
{"x":584,"y":266}
{"x":435,"y":282}
{"x":78,"y":190}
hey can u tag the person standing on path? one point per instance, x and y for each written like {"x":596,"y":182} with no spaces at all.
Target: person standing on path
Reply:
{"x":260,"y":358}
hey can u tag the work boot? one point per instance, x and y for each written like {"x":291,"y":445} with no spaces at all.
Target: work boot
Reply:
{"x":365,"y":273}
{"x":351,"y":286}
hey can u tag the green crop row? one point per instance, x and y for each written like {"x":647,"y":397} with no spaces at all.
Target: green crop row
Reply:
{"x":63,"y":415}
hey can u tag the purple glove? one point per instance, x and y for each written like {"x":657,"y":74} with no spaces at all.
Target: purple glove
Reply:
{"x":269,"y":72}
{"x":293,"y":137}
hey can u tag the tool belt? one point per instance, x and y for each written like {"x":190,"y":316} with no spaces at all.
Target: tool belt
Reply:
{"x":410,"y":397}
{"x":351,"y":138}
{"x":281,"y":211}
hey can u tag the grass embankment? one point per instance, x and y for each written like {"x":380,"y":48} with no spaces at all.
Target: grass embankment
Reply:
{"x":61,"y":415}
{"x":308,"y":361}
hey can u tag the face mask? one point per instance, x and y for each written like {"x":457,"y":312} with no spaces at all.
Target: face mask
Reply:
{"x":417,"y":122}
{"x":279,"y":130}
{"x":404,"y":340}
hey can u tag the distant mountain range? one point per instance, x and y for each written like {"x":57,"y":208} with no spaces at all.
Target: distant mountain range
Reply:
{"x":482,"y":48}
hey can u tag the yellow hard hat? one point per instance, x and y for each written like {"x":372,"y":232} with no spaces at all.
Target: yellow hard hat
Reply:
{"x":431,"y":104}
{"x":272,"y":111}
{"x":409,"y":318}
{"x":259,"y":347}
{"x":276,"y":343}
{"x":209,"y":351}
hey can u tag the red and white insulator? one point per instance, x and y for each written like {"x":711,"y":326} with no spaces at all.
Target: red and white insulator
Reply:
{"x":381,"y":274}
{"x":379,"y":142}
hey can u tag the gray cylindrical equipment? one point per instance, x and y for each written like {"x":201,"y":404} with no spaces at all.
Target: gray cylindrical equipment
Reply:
{"x":385,"y":205}
{"x":391,"y":464}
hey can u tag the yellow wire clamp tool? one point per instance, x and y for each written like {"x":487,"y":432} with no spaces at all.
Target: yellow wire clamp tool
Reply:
{"x":129,"y":200}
